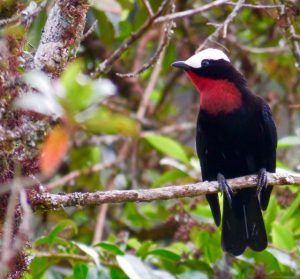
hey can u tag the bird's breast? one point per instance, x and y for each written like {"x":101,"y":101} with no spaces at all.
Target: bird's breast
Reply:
{"x":217,"y":96}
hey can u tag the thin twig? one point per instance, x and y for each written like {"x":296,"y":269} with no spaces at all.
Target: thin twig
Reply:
{"x":62,"y":256}
{"x":71,"y":176}
{"x":28,"y":14}
{"x":8,"y":229}
{"x":164,"y":41}
{"x":296,"y":37}
{"x":148,"y":7}
{"x":256,"y":6}
{"x":288,"y":31}
{"x":155,"y":74}
{"x":224,"y":25}
{"x":107,"y":63}
{"x":7,"y":21}
{"x":21,"y":238}
{"x":232,"y":15}
{"x":290,"y":34}
{"x":101,"y":217}
{"x":141,"y":48}
{"x":48,"y":201}
{"x":191,"y":12}
{"x":24,"y":16}
{"x":257,"y":50}
{"x":178,"y":127}
{"x":149,"y":89}
{"x":154,"y":59}
{"x":90,"y":31}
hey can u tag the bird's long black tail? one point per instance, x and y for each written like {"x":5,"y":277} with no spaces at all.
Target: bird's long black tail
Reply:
{"x":242,"y":223}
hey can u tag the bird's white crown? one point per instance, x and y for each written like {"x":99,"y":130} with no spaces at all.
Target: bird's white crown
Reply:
{"x":209,"y":53}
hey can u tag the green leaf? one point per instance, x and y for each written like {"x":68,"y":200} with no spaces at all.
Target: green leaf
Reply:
{"x":36,"y":28}
{"x":282,"y":238}
{"x":125,"y":29}
{"x":89,"y":251}
{"x":134,"y":268}
{"x":284,"y":258}
{"x":203,"y":212}
{"x":288,"y":141}
{"x":271,"y":213}
{"x":91,"y":155}
{"x":294,"y":226}
{"x":291,"y":210}
{"x":134,"y":243}
{"x":264,"y":258}
{"x":107,"y":122}
{"x":70,"y":75}
{"x":107,"y":33}
{"x":199,"y":266}
{"x":117,"y":273}
{"x":168,"y":177}
{"x":51,"y":238}
{"x":81,"y":91}
{"x":209,"y":244}
{"x":110,"y":247}
{"x":192,"y":274}
{"x":164,"y":253}
{"x":98,"y":273}
{"x":167,"y":146}
{"x":78,"y":88}
{"x":282,"y":165}
{"x":145,"y":247}
{"x":179,"y":248}
{"x":80,"y":271}
{"x":39,"y":265}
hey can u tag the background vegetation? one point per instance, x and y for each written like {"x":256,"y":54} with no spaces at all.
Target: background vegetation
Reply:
{"x":100,"y":128}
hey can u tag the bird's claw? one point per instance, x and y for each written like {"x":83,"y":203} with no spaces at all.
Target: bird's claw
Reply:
{"x":262,"y":181}
{"x":225,"y":188}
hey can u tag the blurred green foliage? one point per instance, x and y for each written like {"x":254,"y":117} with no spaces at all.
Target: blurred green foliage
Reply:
{"x":166,"y":239}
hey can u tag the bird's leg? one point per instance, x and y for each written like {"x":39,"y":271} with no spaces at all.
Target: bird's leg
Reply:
{"x":225,"y":188}
{"x":262,"y":180}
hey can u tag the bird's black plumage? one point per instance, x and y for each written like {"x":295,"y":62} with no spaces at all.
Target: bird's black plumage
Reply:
{"x":233,"y":144}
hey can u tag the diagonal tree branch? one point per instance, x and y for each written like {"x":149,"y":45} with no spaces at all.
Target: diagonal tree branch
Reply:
{"x":224,"y":26}
{"x":106,"y":64}
{"x":48,"y":201}
{"x":63,"y":30}
{"x":191,"y":12}
{"x":214,"y":4}
{"x":26,"y":16}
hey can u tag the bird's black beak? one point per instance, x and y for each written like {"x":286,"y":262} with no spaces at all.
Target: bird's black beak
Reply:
{"x":181,"y":65}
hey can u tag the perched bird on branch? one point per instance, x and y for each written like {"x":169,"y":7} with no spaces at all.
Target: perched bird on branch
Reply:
{"x":236,"y":136}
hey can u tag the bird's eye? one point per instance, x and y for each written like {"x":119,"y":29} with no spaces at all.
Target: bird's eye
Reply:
{"x":205,"y":62}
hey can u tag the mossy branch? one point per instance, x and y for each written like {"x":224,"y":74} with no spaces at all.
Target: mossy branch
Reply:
{"x":48,"y":201}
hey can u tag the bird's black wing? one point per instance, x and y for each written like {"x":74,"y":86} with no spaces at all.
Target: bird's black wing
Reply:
{"x":270,"y":137}
{"x":202,"y":151}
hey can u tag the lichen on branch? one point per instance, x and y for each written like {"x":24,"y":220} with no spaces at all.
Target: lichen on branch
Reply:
{"x":62,"y":32}
{"x":48,"y":201}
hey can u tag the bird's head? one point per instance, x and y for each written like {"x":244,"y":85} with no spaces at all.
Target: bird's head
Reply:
{"x":204,"y":59}
{"x":219,"y":83}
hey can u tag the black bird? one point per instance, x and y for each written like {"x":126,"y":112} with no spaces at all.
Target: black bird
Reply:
{"x":236,"y":136}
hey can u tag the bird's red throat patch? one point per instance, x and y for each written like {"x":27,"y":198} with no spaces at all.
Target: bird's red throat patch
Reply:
{"x":216,"y":96}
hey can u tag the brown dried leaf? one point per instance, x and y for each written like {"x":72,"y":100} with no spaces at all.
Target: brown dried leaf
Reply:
{"x":53,"y":150}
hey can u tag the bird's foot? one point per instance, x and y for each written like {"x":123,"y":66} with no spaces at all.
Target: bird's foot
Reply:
{"x":262,"y":181}
{"x":225,"y":188}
